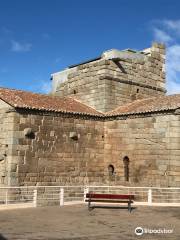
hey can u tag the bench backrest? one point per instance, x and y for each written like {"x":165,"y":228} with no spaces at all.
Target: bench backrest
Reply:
{"x":109,"y":196}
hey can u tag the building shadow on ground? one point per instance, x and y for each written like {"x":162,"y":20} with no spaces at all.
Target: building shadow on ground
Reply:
{"x":108,"y":207}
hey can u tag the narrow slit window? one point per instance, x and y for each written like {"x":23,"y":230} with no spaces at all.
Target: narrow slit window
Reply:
{"x":126,"y":168}
{"x":111,"y":170}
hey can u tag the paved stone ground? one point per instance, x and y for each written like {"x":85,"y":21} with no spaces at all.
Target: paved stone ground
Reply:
{"x":75,"y":222}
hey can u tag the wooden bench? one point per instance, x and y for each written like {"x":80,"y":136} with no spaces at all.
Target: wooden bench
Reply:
{"x":109,"y":198}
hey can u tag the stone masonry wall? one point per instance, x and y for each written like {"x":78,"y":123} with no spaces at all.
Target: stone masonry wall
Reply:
{"x":152,"y":145}
{"x":72,"y":150}
{"x":60,"y":150}
{"x":107,"y":84}
{"x":53,"y":157}
{"x":130,"y":79}
{"x":7,"y":166}
{"x":69,"y":149}
{"x":85,"y":84}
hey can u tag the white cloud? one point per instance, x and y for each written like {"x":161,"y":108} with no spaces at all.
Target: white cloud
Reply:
{"x":173,"y":69}
{"x":46,"y":86}
{"x":167,"y":31}
{"x":20,"y":47}
{"x":161,"y":36}
{"x":39,"y":85}
{"x":173,"y":57}
{"x":172,"y":25}
{"x":173,"y":87}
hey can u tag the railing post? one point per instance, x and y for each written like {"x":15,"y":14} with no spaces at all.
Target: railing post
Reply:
{"x":86,"y":190}
{"x":61,"y":197}
{"x":35,"y":197}
{"x":6,"y":197}
{"x":149,"y":197}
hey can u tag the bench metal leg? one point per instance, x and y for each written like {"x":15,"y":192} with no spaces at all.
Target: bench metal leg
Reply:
{"x":129,"y":206}
{"x":89,"y":205}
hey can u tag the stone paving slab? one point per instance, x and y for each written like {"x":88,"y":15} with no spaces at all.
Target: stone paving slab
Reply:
{"x":77,"y":223}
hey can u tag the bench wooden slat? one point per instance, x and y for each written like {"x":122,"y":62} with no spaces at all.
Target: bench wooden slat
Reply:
{"x":109,"y":196}
{"x":107,"y":201}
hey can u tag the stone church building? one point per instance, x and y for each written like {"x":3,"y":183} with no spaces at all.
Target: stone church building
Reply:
{"x":106,"y":121}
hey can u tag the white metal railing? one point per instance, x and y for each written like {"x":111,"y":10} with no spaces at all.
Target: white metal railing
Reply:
{"x":61,"y":195}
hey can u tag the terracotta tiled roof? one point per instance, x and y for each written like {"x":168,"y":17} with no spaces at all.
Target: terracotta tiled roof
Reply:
{"x":28,"y":100}
{"x":155,"y":104}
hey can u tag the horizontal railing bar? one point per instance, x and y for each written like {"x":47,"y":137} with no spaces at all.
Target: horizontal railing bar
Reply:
{"x":176,"y":201}
{"x":48,"y":199}
{"x":9,"y":198}
{"x":90,"y":186}
{"x":72,"y":197}
{"x":20,"y":200}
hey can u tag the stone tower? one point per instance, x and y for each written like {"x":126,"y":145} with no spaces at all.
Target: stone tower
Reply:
{"x":114,"y":78}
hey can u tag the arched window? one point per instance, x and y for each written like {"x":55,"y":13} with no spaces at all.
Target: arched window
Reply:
{"x":111,"y":170}
{"x":126,"y":168}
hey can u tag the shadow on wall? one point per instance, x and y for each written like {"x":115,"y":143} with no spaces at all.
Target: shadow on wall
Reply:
{"x":120,"y":66}
{"x":2,"y":238}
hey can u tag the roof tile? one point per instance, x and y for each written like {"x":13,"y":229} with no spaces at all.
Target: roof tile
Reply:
{"x":154,"y":104}
{"x":29,"y":100}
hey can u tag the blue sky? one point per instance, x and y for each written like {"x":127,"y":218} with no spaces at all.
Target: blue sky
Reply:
{"x":39,"y":37}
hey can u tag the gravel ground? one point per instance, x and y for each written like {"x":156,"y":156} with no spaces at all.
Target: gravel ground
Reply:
{"x":76,"y":222}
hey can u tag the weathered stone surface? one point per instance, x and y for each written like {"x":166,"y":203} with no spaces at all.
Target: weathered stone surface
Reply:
{"x":150,"y":146}
{"x":61,"y":158}
{"x":62,"y":149}
{"x":151,"y":143}
{"x":106,"y":84}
